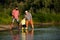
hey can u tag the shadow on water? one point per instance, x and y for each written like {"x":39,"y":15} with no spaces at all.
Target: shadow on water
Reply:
{"x":50,"y":33}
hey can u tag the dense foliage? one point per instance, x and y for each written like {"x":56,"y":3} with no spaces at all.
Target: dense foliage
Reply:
{"x":42,"y":10}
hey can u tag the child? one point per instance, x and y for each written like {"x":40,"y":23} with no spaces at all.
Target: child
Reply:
{"x":23,"y":25}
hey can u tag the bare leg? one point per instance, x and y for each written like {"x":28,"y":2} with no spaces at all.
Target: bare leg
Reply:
{"x":31,"y":22}
{"x":11,"y":25}
{"x":26,"y":24}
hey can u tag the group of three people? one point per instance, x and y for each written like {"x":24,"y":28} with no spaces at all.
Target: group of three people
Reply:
{"x":25,"y":21}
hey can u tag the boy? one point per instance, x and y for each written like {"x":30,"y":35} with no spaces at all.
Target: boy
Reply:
{"x":23,"y":24}
{"x":15,"y":16}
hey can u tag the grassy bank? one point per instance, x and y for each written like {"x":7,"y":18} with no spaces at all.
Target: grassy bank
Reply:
{"x":43,"y":11}
{"x":39,"y":17}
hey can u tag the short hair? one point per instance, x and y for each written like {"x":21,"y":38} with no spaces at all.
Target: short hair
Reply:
{"x":26,"y":11}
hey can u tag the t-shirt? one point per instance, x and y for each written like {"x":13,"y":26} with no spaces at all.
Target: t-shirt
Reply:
{"x":28,"y":16}
{"x":15,"y":14}
{"x":23,"y":21}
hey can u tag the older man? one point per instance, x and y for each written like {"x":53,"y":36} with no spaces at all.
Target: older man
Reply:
{"x":28,"y":17}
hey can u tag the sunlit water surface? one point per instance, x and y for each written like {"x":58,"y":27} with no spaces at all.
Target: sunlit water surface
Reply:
{"x":49,"y":33}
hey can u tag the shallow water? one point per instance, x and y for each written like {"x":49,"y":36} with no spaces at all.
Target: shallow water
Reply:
{"x":50,"y":33}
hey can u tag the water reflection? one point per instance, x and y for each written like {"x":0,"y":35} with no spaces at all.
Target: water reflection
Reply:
{"x":36,"y":34}
{"x":15,"y":35}
{"x":22,"y":35}
{"x":27,"y":34}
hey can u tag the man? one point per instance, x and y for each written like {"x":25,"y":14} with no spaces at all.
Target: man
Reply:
{"x":15,"y":15}
{"x":28,"y":17}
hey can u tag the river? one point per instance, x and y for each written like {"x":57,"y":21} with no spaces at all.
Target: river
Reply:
{"x":38,"y":33}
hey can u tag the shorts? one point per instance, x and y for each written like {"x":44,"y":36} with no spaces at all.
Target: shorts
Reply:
{"x":17,"y":20}
{"x":23,"y":25}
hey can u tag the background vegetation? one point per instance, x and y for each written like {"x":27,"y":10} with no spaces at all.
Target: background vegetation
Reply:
{"x":42,"y":10}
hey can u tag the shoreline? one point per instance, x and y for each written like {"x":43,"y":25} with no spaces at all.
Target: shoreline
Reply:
{"x":7,"y":27}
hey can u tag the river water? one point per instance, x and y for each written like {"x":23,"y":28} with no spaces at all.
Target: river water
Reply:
{"x":38,"y":33}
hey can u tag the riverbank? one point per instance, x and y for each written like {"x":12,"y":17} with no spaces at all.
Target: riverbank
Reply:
{"x":7,"y":27}
{"x":4,"y":27}
{"x":48,"y":23}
